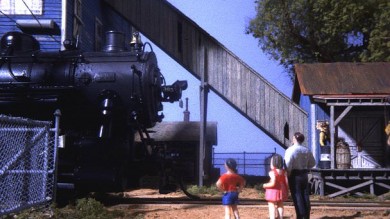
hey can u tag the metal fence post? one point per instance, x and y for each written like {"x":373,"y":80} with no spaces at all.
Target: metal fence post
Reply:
{"x":212,"y":157}
{"x":57,"y":117}
{"x":244,"y":162}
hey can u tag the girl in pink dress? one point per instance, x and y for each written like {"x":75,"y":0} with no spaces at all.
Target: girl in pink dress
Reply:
{"x":276,"y":190}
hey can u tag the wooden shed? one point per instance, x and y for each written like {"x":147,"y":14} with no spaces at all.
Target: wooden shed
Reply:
{"x":181,"y":142}
{"x":353,"y":98}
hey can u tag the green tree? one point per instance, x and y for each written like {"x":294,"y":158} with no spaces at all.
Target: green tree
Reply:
{"x":308,"y":31}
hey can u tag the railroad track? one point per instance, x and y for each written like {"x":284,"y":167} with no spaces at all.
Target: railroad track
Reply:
{"x":243,"y":202}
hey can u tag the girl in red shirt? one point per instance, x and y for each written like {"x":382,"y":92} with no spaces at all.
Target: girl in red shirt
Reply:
{"x":231,"y":184}
{"x":276,"y":190}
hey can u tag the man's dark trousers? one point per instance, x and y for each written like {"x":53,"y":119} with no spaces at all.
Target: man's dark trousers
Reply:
{"x":298,"y":182}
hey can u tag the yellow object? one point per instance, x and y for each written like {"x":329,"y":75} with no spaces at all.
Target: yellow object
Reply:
{"x":387,"y":129}
{"x":323,"y":138}
{"x":323,"y":127}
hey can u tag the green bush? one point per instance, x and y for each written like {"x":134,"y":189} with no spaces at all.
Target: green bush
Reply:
{"x":259,"y":187}
{"x":87,"y":208}
{"x":203,"y":190}
{"x":90,"y":208}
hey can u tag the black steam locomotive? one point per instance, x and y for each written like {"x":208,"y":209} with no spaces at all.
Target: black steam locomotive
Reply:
{"x":104,"y":98}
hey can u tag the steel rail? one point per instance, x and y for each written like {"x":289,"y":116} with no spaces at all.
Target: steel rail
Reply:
{"x":242,"y":202}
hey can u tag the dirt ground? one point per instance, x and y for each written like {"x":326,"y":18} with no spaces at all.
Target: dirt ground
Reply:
{"x":189,"y":211}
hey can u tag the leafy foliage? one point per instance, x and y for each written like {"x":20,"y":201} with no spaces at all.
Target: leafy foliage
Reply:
{"x":85,"y":208}
{"x":197,"y":190}
{"x":308,"y":31}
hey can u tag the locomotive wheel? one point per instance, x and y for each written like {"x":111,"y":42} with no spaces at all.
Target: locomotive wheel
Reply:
{"x":183,"y":187}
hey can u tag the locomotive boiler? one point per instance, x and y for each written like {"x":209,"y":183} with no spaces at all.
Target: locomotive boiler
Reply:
{"x":104,"y":98}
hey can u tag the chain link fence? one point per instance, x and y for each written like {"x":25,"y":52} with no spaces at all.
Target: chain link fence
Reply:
{"x":27,"y":164}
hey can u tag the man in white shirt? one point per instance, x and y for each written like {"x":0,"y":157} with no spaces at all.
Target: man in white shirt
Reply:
{"x":299,"y":160}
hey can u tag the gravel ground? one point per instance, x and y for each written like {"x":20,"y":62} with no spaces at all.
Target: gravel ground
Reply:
{"x":189,"y":211}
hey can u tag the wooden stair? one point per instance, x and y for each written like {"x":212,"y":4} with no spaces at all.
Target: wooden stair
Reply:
{"x":228,"y":76}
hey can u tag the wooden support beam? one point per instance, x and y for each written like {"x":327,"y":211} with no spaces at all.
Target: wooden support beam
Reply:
{"x":314,"y":147}
{"x":332,"y":138}
{"x":361,"y":180}
{"x":204,"y":89}
{"x":357,"y":104}
{"x":383,"y":185}
{"x":333,"y":124}
{"x":342,"y":115}
{"x":341,"y":188}
{"x":230,"y":78}
{"x":350,"y":189}
{"x":350,"y":177}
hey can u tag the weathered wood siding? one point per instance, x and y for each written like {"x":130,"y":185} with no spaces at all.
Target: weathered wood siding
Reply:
{"x":233,"y":80}
{"x":364,"y":128}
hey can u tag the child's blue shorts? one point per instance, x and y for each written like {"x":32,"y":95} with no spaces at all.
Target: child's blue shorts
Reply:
{"x":230,"y":198}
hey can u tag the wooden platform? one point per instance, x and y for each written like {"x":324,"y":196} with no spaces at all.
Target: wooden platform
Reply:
{"x":336,"y":182}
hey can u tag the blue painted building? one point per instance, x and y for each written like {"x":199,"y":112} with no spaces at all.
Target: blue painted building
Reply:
{"x":353,"y":98}
{"x":52,"y":22}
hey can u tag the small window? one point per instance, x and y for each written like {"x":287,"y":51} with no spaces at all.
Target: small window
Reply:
{"x":98,"y":34}
{"x":286,"y":131}
{"x":19,"y":7}
{"x":77,"y":22}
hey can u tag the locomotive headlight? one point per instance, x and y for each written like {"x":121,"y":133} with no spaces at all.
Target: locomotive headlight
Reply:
{"x":172,"y":92}
{"x":9,"y":40}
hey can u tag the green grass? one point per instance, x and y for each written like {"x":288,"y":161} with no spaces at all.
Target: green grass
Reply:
{"x":203,"y":190}
{"x":85,"y":208}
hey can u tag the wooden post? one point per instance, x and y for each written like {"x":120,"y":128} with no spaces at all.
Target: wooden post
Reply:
{"x":314,"y":148}
{"x":322,"y":185}
{"x":203,"y":118}
{"x":333,"y":124}
{"x":332,"y":138}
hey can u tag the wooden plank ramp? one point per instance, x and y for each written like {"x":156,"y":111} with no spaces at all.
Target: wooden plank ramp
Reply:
{"x":227,"y":75}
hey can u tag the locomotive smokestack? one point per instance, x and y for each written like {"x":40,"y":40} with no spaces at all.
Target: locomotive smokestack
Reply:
{"x":115,"y":41}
